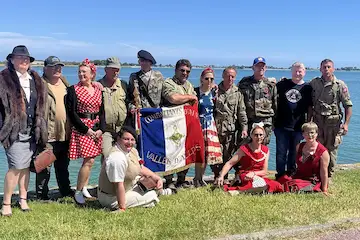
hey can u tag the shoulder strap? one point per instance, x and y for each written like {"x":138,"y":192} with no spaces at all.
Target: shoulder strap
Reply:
{"x":144,"y":90}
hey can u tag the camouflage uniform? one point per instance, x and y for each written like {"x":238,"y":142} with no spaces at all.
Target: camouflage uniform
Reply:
{"x":327,"y":113}
{"x":172,"y":86}
{"x":114,"y":98}
{"x":230,"y":119}
{"x":260,"y":98}
{"x":153,"y":88}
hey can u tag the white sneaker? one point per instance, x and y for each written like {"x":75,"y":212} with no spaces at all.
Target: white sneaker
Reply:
{"x":86,"y":193}
{"x":79,"y":198}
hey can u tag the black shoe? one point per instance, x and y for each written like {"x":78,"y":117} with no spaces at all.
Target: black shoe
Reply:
{"x":170,"y":185}
{"x":69,"y":193}
{"x":199,"y":183}
{"x":184,"y":184}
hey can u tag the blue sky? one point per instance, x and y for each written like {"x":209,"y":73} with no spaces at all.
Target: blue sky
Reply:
{"x":205,"y":32}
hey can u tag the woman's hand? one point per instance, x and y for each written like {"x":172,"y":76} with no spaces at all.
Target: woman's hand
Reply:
{"x":219,"y":181}
{"x":98,"y":134}
{"x":159,"y":184}
{"x":91,"y":133}
{"x":250,"y":175}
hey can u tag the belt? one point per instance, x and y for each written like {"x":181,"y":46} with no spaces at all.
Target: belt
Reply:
{"x":91,"y":116}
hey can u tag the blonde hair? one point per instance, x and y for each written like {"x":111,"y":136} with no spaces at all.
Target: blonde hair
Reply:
{"x":309,"y":126}
{"x":298,"y":64}
{"x":257,"y":125}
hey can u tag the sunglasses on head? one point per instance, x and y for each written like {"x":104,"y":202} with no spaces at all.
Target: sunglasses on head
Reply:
{"x":208,"y":78}
{"x":184,"y":70}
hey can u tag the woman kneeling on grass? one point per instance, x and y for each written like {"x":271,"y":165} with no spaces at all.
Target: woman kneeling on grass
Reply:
{"x":119,"y":186}
{"x":312,"y":160}
{"x":253,"y":158}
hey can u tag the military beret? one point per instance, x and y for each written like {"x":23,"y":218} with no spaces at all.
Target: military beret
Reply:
{"x":146,"y":55}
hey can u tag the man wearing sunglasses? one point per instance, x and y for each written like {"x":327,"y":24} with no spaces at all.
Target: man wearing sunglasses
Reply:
{"x":230,"y":117}
{"x":260,"y":97}
{"x":176,"y":91}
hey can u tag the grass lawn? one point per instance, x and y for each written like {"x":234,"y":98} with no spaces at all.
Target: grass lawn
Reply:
{"x":190,"y":214}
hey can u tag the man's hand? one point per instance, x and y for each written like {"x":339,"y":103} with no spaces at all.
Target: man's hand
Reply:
{"x":99,"y":86}
{"x":345,"y":128}
{"x":244,"y":134}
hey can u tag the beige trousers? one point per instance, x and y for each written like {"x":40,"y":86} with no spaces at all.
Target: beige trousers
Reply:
{"x":134,"y":198}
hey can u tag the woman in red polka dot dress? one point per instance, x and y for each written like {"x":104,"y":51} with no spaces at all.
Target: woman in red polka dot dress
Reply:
{"x":85,"y":109}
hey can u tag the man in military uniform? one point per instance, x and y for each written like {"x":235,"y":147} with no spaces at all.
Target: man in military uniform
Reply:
{"x":328,"y":93}
{"x":176,"y":91}
{"x":145,"y":86}
{"x":260,"y":97}
{"x":230,"y":117}
{"x":114,"y":97}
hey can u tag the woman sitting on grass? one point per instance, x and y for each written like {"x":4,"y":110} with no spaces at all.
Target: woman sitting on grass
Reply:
{"x":312,"y":160}
{"x":118,"y":182}
{"x":253,"y":158}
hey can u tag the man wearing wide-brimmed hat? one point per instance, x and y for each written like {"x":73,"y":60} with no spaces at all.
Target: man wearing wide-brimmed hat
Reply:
{"x":23,"y":102}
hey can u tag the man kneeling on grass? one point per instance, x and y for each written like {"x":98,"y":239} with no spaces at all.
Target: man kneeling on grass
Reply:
{"x":123,"y":181}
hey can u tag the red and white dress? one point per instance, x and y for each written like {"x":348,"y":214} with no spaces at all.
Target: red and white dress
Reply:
{"x":253,"y":161}
{"x":82,"y":145}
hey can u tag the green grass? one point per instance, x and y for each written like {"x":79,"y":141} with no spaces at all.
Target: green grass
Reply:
{"x":191,"y":214}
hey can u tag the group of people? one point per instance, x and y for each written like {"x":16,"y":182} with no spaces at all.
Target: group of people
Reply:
{"x":93,"y":118}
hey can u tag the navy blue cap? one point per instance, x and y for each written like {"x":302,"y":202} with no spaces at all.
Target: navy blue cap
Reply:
{"x":147,"y":56}
{"x":259,"y":60}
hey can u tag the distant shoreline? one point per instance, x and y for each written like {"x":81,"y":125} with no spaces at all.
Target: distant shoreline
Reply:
{"x":197,"y":67}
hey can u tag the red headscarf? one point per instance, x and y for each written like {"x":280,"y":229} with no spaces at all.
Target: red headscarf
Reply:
{"x":207,"y":70}
{"x":89,"y":64}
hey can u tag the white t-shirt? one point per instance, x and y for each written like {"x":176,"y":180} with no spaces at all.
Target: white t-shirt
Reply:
{"x":116,"y":165}
{"x":25,"y":83}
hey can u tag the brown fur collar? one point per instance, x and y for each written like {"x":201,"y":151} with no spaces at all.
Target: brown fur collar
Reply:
{"x":13,"y":103}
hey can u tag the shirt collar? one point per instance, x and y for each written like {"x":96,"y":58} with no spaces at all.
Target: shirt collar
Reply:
{"x":121,"y":150}
{"x":116,"y":85}
{"x":23,"y":76}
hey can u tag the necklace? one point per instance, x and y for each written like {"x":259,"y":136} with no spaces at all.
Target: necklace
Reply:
{"x":260,"y":151}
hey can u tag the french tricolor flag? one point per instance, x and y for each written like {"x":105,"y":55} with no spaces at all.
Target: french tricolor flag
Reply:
{"x":171,"y":138}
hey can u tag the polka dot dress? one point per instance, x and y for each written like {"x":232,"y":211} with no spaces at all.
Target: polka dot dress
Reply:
{"x":81,"y":145}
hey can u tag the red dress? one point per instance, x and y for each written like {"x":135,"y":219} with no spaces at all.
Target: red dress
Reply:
{"x":81,"y":145}
{"x":254,"y":161}
{"x":307,"y":176}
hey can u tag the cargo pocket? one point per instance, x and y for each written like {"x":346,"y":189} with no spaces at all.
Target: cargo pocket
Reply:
{"x":338,"y":141}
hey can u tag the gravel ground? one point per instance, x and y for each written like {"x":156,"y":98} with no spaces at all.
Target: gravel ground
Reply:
{"x":353,"y":234}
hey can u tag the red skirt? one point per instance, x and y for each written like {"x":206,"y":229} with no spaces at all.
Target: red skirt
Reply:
{"x":83,"y":146}
{"x":245,"y":185}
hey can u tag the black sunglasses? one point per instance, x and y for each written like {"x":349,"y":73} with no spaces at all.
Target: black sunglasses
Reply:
{"x":207,"y":79}
{"x":183,"y":70}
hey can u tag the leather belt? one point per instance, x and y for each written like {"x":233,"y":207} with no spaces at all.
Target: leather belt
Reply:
{"x":91,"y":116}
